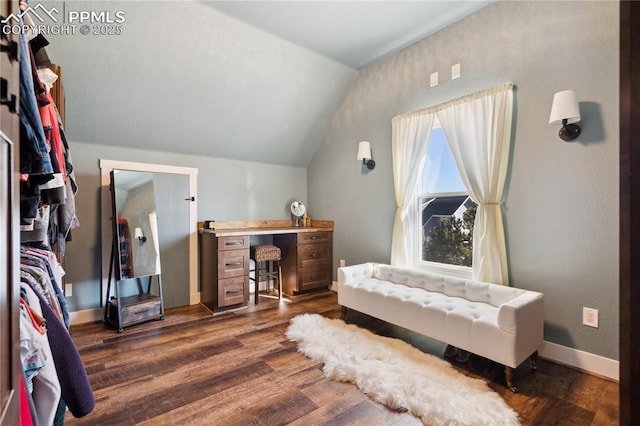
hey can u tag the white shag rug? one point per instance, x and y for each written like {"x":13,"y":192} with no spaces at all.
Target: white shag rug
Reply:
{"x":398,"y":375}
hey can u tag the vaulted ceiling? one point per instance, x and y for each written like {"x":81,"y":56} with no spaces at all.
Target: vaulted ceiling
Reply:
{"x":255,"y":81}
{"x":355,"y":33}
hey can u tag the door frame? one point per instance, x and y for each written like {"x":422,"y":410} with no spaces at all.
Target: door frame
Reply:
{"x":106,"y":166}
{"x":629,"y":339}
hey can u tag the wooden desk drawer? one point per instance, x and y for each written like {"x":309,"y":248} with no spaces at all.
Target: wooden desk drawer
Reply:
{"x":233,"y":291}
{"x":314,"y":254}
{"x":314,"y":237}
{"x":233,"y":243}
{"x":313,"y":278}
{"x":233,"y":263}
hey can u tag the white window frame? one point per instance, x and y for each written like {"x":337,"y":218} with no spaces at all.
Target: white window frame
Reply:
{"x":464,"y":272}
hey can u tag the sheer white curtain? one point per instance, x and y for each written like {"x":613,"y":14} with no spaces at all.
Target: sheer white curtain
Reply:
{"x":478,"y":130}
{"x":410,"y":140}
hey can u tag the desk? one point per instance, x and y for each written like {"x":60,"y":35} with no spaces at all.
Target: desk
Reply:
{"x":307,"y":259}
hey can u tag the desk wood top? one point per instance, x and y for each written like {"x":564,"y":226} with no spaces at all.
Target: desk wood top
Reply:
{"x":264,"y":227}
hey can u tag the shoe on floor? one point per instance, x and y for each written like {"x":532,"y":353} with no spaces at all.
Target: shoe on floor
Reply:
{"x":463,"y":356}
{"x":477,"y":363}
{"x":450,"y":351}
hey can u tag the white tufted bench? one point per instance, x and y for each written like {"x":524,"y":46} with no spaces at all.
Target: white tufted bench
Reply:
{"x":504,"y":324}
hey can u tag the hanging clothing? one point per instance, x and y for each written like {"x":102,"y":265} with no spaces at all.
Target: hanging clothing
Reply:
{"x":53,"y":191}
{"x":38,"y":229}
{"x":66,"y":218}
{"x":34,"y":153}
{"x":46,"y":388}
{"x":55,"y":374}
{"x":54,"y":377}
{"x":26,"y":406}
{"x":47,"y":273}
{"x":45,"y":161}
{"x":74,"y":383}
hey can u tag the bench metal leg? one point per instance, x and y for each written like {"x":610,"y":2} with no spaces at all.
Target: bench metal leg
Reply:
{"x":533,"y":360}
{"x":508,"y":372}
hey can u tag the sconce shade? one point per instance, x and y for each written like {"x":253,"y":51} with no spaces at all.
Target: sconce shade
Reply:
{"x":566,"y":111}
{"x":364,"y":151}
{"x":137,"y":233}
{"x":565,"y":107}
{"x":364,"y":154}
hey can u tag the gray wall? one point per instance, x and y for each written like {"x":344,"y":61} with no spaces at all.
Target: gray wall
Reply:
{"x":227,"y":190}
{"x":561,"y":207}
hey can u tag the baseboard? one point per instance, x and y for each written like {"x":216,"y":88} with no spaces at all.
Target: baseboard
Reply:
{"x":585,"y":361}
{"x":87,"y":315}
{"x":334,"y":286}
{"x":97,"y":314}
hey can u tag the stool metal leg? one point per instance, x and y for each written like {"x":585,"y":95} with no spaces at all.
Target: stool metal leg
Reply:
{"x":270,"y":275}
{"x":269,"y":280}
{"x":279,"y":280}
{"x":257,"y":281}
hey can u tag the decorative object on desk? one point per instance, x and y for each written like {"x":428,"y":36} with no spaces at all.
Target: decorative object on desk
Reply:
{"x":209,"y":224}
{"x":565,"y":110}
{"x":306,"y":219}
{"x":298,"y":210}
{"x":364,"y":154}
{"x":396,"y":374}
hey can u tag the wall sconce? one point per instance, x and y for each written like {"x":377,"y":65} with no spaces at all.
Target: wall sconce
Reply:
{"x":137,"y":233}
{"x":565,"y":110}
{"x":364,"y":154}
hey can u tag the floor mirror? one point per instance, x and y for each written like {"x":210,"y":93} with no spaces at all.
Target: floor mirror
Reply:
{"x":134,"y":289}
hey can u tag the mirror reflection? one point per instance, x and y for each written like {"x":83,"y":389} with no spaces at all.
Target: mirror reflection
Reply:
{"x":136,"y":226}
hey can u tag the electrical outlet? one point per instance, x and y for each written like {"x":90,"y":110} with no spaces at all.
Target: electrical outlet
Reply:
{"x":68,"y":290}
{"x":342,"y":263}
{"x":590,"y":317}
{"x":433,"y":79}
{"x":455,"y":71}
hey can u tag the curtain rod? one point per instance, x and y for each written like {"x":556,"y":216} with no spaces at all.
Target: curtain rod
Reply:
{"x":459,"y":100}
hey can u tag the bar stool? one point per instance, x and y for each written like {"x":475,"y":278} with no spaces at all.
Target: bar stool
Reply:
{"x":269,"y":254}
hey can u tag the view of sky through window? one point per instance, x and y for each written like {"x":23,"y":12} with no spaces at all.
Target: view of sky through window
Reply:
{"x":440,"y":172}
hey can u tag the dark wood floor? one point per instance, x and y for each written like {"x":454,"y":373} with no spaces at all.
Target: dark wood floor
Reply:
{"x":235,"y":369}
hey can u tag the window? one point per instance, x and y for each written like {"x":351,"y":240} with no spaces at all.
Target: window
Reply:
{"x":445,"y":211}
{"x":479,"y":127}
